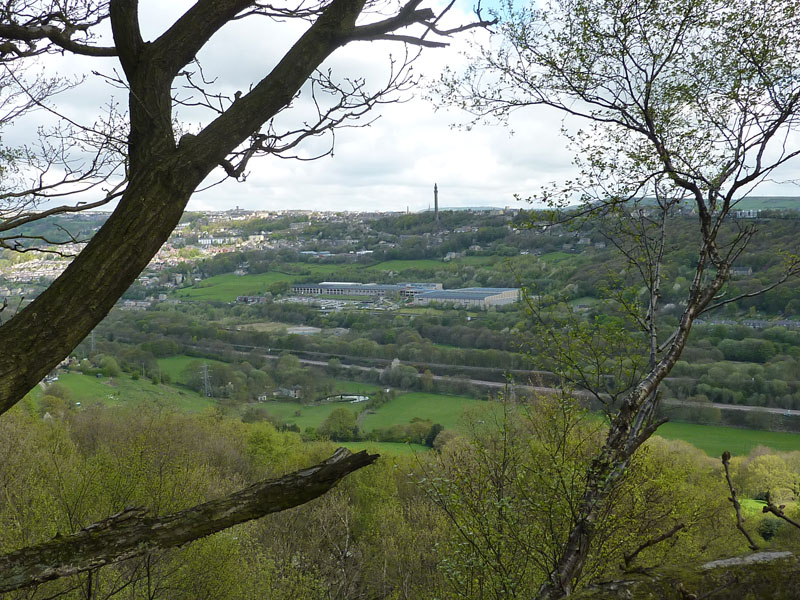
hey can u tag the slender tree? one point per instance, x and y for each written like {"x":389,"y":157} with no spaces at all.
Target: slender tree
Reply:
{"x":689,"y":106}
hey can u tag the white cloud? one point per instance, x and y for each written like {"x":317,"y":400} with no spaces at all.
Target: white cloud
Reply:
{"x":390,"y":165}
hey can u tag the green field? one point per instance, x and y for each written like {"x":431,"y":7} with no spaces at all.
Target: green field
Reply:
{"x":174,"y":366}
{"x":225,"y":288}
{"x":402,"y":265}
{"x":311,"y":270}
{"x":448,"y":346}
{"x":768,"y":203}
{"x":751,"y":507}
{"x":85,"y":388}
{"x":714,"y":440}
{"x":588,"y":300}
{"x":445,"y":410}
{"x":384,"y":448}
{"x":301,"y":415}
{"x":478,"y":260}
{"x":124,"y":390}
{"x":355,"y":387}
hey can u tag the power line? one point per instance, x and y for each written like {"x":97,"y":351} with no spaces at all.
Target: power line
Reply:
{"x":206,"y":382}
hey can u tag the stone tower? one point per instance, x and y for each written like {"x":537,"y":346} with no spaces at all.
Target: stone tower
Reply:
{"x":436,"y":203}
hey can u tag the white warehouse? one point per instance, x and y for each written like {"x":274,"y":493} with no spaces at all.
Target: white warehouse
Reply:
{"x":475,"y":297}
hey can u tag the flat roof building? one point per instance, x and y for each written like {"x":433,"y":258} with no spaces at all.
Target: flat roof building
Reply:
{"x":346,"y":288}
{"x":475,"y":297}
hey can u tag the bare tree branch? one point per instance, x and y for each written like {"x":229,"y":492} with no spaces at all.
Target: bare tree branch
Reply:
{"x":32,"y":22}
{"x":23,"y":219}
{"x":726,"y":457}
{"x":629,"y":558}
{"x":778,"y":511}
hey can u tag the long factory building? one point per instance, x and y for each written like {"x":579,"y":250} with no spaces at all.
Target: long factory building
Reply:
{"x":346,"y":288}
{"x":476,"y":297}
{"x":421,"y":293}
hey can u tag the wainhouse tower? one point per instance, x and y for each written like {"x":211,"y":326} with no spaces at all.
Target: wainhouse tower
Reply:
{"x":436,"y":203}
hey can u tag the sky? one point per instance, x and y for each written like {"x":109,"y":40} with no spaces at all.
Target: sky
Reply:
{"x":391,"y":165}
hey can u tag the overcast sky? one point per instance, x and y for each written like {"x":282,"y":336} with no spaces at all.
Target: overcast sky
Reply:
{"x":390,"y":165}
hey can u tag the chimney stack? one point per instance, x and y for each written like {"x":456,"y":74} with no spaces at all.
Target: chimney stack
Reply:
{"x":436,"y":203}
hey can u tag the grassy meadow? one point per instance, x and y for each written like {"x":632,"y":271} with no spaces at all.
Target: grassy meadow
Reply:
{"x":445,"y":410}
{"x":402,"y":265}
{"x":175,"y":366}
{"x":265,"y":327}
{"x":115,"y":391}
{"x":768,"y":203}
{"x":714,"y":440}
{"x":302,"y":415}
{"x":225,"y":288}
{"x":384,"y":448}
{"x":355,"y":387}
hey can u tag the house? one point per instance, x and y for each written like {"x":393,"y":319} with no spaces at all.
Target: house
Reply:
{"x":251,"y":299}
{"x":303,"y":330}
{"x":296,"y":391}
{"x":741,"y":271}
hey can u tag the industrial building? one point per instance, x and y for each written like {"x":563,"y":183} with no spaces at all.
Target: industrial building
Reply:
{"x":472,"y":297}
{"x":344,"y":288}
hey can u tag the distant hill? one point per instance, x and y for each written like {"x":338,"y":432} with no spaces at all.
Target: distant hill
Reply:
{"x":769,"y":203}
{"x":82,"y":226}
{"x":757,"y":203}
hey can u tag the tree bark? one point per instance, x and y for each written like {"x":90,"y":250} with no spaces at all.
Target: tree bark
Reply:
{"x":131,"y":533}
